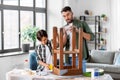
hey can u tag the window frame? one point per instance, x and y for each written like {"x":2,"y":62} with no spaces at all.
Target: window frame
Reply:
{"x":19,"y":8}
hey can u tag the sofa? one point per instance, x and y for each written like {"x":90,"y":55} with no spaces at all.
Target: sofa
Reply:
{"x":107,"y":60}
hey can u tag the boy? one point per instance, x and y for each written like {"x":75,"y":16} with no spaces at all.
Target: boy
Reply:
{"x":43,"y":50}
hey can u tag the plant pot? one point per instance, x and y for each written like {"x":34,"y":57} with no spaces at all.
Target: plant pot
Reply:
{"x":25,"y":47}
{"x":104,"y":18}
{"x":101,"y":42}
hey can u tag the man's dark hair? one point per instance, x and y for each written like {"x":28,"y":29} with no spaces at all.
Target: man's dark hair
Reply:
{"x":66,"y":8}
{"x":40,"y":34}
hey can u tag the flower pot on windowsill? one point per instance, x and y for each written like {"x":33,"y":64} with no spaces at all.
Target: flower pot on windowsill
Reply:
{"x":25,"y":47}
{"x":28,"y":35}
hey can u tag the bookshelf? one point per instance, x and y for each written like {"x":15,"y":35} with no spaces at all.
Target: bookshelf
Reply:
{"x":95,"y":23}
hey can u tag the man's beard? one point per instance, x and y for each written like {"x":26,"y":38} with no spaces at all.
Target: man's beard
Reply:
{"x":69,"y":21}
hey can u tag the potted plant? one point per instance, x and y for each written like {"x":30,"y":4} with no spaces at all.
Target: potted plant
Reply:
{"x":104,"y":17}
{"x":28,"y":35}
{"x":102,"y":41}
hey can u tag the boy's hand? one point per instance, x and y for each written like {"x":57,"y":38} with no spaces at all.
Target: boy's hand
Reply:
{"x":47,"y":66}
{"x":44,"y":64}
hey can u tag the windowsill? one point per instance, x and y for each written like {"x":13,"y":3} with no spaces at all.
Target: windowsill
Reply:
{"x":14,"y":53}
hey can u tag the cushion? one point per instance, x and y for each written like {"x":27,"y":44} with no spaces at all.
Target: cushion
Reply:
{"x":117,"y":62}
{"x":100,"y":56}
{"x":112,"y":68}
{"x":116,"y":55}
{"x":95,"y":65}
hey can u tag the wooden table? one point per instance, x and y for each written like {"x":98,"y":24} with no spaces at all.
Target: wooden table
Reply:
{"x":18,"y":74}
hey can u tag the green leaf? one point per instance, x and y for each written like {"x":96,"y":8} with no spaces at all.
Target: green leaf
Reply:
{"x":29,"y":33}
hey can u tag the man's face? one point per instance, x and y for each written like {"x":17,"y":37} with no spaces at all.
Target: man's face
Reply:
{"x":68,"y":16}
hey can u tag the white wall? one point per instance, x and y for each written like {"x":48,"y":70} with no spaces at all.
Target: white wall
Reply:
{"x":54,"y":15}
{"x":98,"y":7}
{"x":9,"y":63}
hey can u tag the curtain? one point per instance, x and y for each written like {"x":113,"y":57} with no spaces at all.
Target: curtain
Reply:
{"x":115,"y":24}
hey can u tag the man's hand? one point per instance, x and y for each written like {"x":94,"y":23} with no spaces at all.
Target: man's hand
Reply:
{"x":71,"y":28}
{"x":86,"y":36}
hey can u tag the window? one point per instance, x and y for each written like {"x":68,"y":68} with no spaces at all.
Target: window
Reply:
{"x":26,"y":19}
{"x":26,"y":3}
{"x":14,"y":16}
{"x":0,"y":32}
{"x":40,"y":20}
{"x":40,"y":3}
{"x":10,"y":2}
{"x":11,"y":29}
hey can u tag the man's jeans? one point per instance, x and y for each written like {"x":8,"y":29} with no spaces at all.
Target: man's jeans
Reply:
{"x":83,"y":63}
{"x":70,"y":61}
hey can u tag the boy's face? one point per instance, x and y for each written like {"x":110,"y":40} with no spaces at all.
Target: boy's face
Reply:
{"x":44,"y":40}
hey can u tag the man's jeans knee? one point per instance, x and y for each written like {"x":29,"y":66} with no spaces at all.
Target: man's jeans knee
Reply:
{"x":70,"y":61}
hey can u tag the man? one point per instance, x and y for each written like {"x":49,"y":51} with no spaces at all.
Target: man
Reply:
{"x":71,"y":22}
